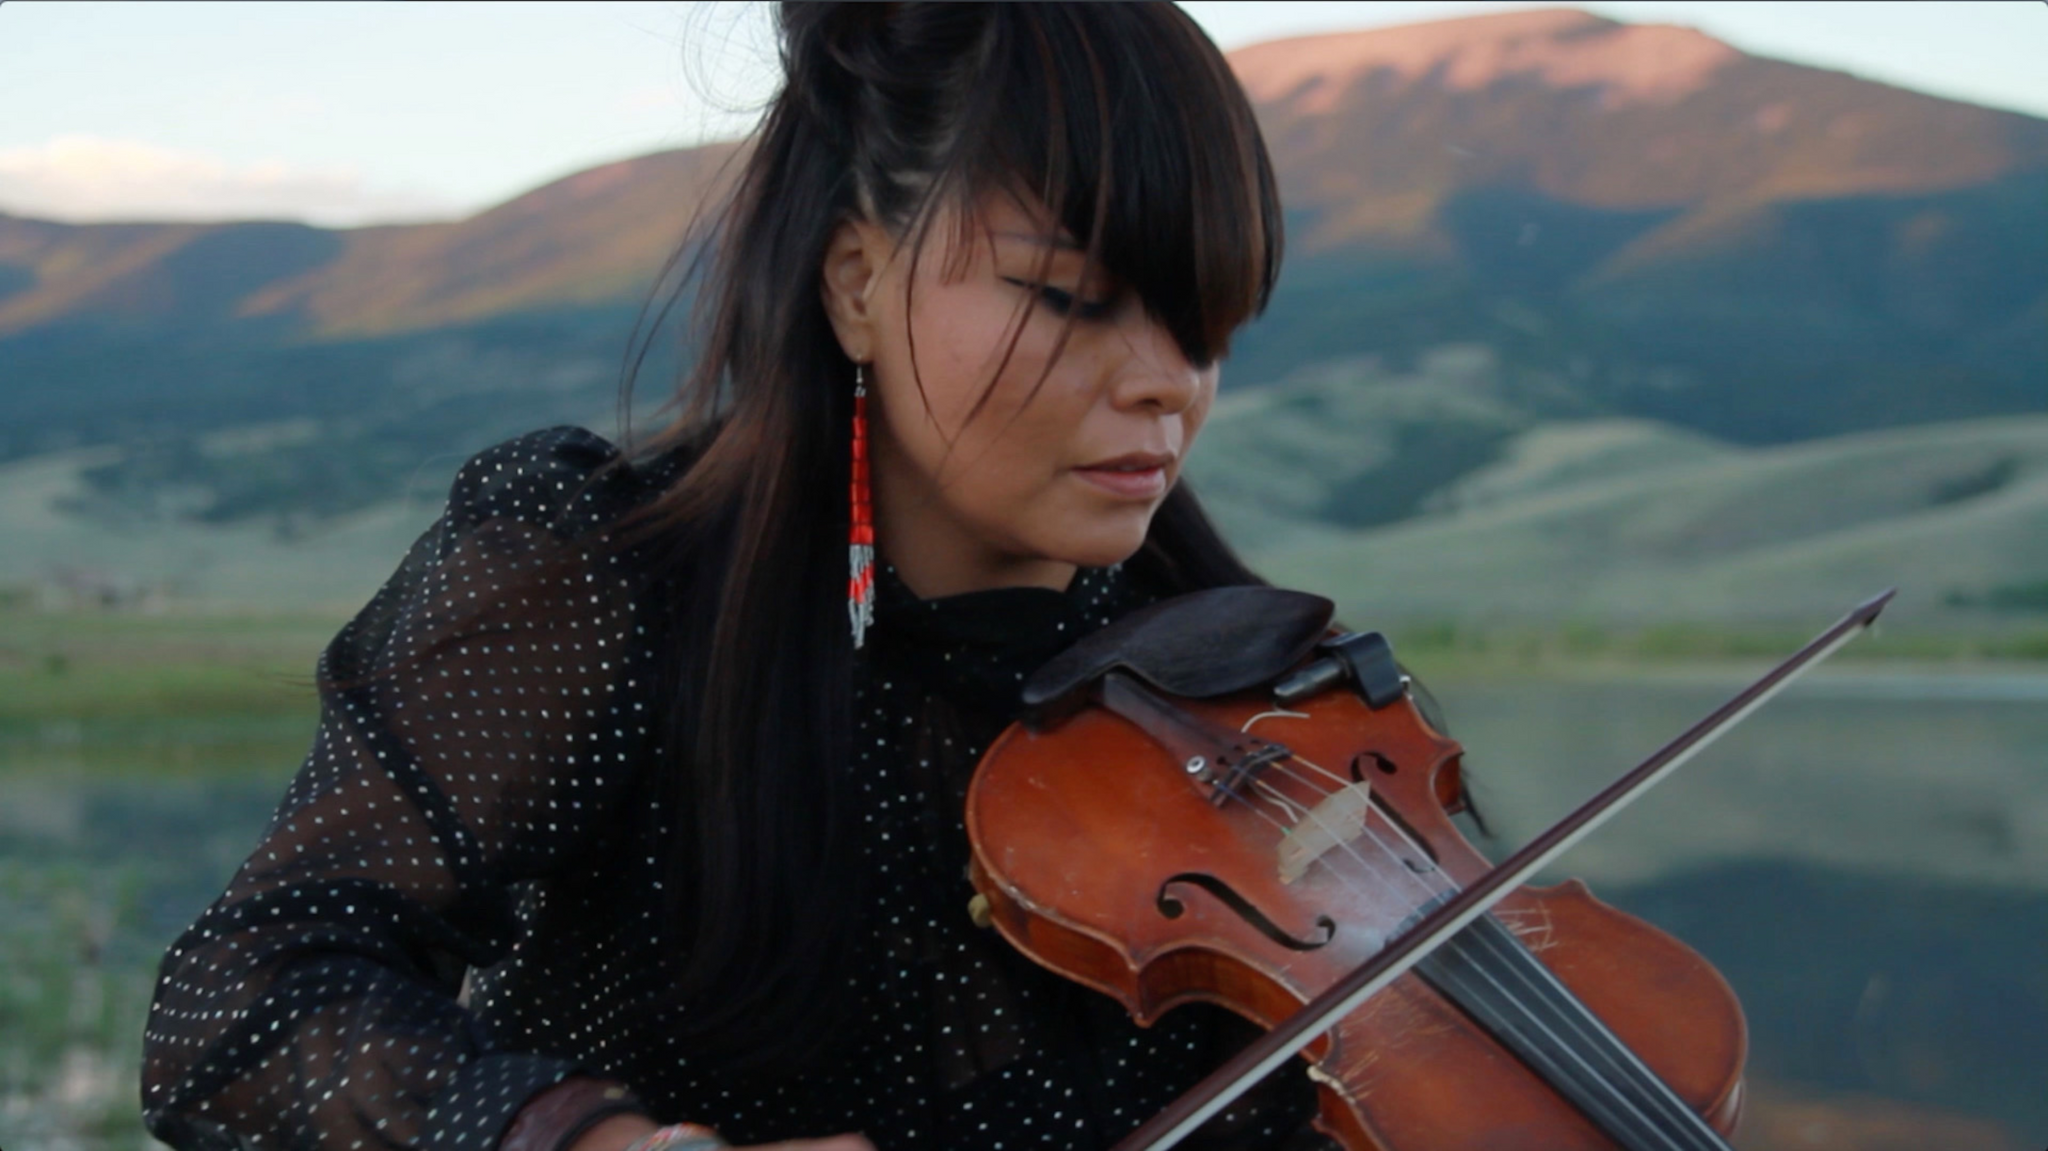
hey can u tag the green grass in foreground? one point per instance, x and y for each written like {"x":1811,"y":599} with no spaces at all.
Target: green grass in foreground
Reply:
{"x":120,"y":695}
{"x":105,"y":670}
{"x":1462,"y":649}
{"x":94,"y":666}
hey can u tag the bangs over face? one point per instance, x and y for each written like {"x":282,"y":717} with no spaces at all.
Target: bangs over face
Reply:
{"x":1125,"y":122}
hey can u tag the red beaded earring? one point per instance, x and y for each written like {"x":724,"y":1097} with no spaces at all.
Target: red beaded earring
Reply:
{"x":860,"y":589}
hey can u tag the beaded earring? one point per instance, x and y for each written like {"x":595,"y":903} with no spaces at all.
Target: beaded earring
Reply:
{"x":860,"y":589}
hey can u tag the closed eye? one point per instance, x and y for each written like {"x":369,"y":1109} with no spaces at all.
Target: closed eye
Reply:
{"x":1062,"y":302}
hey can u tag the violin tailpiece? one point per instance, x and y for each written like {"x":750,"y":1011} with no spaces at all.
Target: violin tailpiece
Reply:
{"x":1223,"y":760}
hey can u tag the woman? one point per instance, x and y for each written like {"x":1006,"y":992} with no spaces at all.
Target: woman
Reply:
{"x":622,"y":742}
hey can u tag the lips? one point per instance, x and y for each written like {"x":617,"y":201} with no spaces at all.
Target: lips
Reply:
{"x":1133,"y":475}
{"x":1131,"y":462}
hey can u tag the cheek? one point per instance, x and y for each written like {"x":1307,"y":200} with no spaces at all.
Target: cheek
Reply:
{"x":1009,"y":473}
{"x":1193,"y":419}
{"x":1010,"y":463}
{"x":978,"y":422}
{"x":958,"y":338}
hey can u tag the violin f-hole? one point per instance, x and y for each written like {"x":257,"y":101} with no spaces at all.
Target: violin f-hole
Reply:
{"x":1359,"y":761}
{"x":1172,"y":908}
{"x":1409,"y":834}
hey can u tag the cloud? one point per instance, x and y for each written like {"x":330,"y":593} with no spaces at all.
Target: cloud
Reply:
{"x":90,"y":179}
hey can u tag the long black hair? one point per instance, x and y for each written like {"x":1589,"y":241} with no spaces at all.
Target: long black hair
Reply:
{"x":1126,"y":122}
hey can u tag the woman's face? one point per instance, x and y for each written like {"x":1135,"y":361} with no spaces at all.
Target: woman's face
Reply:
{"x":1031,"y":485}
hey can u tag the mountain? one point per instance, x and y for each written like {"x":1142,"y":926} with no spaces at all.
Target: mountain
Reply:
{"x":1753,"y":248}
{"x":594,"y":237}
{"x":1597,"y":113}
{"x":1498,"y":225}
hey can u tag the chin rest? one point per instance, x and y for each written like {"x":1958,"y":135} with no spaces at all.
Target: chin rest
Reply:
{"x":1199,"y":645}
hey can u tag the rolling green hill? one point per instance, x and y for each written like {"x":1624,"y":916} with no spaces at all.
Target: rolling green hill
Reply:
{"x":60,"y":560}
{"x":1625,"y":522}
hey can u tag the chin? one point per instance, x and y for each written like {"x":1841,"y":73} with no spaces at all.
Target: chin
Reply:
{"x":1107,"y":544}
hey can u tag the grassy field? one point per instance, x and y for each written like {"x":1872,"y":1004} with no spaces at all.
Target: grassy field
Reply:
{"x":112,"y":665}
{"x":1468,"y":651}
{"x":110,"y":669}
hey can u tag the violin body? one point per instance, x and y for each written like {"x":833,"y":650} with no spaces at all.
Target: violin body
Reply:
{"x":1102,"y":857}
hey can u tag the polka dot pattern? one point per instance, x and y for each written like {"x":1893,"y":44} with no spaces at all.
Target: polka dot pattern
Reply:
{"x":483,"y":719}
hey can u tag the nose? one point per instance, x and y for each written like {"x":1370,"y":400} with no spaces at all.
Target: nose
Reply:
{"x":1154,"y":372}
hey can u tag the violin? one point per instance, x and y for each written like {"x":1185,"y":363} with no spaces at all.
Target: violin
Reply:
{"x":1220,"y":799}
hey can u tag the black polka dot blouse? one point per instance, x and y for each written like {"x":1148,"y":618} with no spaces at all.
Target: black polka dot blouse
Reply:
{"x":443,"y":919}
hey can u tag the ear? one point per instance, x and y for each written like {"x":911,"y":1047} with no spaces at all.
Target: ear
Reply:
{"x":854,"y":260}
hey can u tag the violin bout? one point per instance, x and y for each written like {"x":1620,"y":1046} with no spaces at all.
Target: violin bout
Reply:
{"x":1111,"y":858}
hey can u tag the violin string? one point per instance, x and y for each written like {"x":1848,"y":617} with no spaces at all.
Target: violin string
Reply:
{"x":1444,"y":884}
{"x":1280,"y":801}
{"x":1407,"y":872}
{"x":1498,"y":959}
{"x":1348,"y":845}
{"x":1583,"y":1048}
{"x":1288,"y":805}
{"x":1493,"y":950}
{"x":1283,"y":713}
{"x":1585,"y":1044}
{"x":1339,"y":841}
{"x":1319,"y":769}
{"x":1438,"y":884}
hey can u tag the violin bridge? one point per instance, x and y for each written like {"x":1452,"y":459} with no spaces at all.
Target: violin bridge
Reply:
{"x":1335,"y":821}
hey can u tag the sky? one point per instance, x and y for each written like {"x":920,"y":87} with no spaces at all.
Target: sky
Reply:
{"x":349,"y":112}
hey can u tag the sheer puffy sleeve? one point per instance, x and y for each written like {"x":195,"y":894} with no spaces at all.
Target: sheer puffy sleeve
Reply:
{"x":477,"y":718}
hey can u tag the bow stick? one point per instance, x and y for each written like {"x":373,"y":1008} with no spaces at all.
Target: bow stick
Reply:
{"x":1446,"y":919}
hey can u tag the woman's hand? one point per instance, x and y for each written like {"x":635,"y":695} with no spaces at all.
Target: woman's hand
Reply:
{"x":619,"y":1132}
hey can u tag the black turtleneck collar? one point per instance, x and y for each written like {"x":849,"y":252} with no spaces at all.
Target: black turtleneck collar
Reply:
{"x":978,"y":647}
